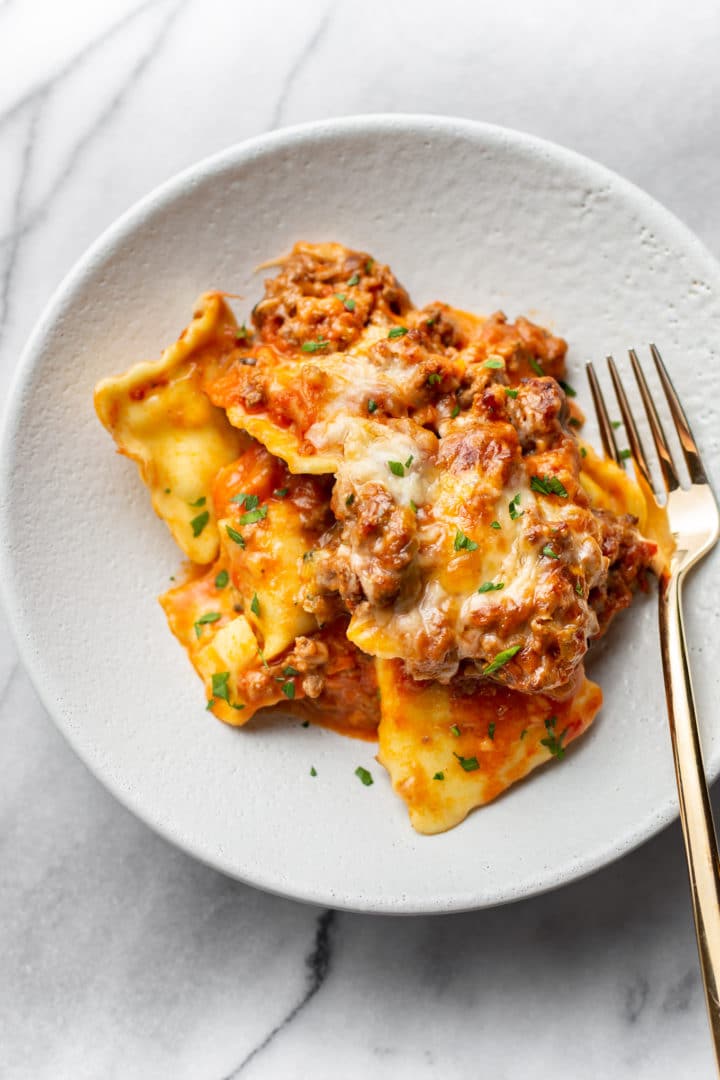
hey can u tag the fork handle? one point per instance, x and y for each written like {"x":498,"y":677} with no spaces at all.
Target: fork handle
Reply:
{"x":695,"y":811}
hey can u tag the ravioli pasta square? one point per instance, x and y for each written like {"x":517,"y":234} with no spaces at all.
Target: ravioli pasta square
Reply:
{"x":393,"y":528}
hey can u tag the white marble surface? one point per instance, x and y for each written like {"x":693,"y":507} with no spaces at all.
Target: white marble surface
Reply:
{"x":122,"y":957}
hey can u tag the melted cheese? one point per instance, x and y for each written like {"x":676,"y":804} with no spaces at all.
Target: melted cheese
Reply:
{"x":159,"y":417}
{"x":504,"y":733}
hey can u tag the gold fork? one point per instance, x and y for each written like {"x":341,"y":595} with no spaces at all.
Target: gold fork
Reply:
{"x":694,"y":523}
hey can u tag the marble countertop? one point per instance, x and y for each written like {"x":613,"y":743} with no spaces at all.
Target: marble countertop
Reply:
{"x":122,"y":957}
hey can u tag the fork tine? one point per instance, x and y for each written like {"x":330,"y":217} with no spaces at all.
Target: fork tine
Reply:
{"x":689,"y":446}
{"x":607,"y":434}
{"x":636,"y":446}
{"x":667,"y":465}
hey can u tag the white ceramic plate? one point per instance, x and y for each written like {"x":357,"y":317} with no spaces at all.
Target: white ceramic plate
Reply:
{"x":478,"y":216}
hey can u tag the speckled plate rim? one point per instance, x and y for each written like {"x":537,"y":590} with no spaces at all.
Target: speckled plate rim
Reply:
{"x":10,"y":585}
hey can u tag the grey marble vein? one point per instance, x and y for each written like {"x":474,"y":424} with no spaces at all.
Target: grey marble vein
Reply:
{"x":296,"y":68}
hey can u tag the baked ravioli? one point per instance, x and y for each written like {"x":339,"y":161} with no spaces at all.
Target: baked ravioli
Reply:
{"x":391,"y":524}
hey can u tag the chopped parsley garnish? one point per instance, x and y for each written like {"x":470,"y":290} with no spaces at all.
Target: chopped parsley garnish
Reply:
{"x":548,"y":486}
{"x":523,"y":733}
{"x":491,"y":731}
{"x":349,"y":304}
{"x":255,"y":604}
{"x":574,"y":422}
{"x":220,"y":685}
{"x":510,"y":393}
{"x":553,"y":742}
{"x":548,"y":551}
{"x":198,"y":502}
{"x":463,"y":542}
{"x":350,"y":499}
{"x":167,"y":491}
{"x":494,"y":363}
{"x":455,"y":411}
{"x":242,"y":332}
{"x":490,"y":586}
{"x":235,"y":535}
{"x":198,"y":523}
{"x":495,"y":525}
{"x":396,"y":468}
{"x":513,"y":508}
{"x":369,"y":265}
{"x":250,"y":501}
{"x":501,"y":659}
{"x":439,"y":776}
{"x":354,"y":280}
{"x":414,"y":506}
{"x":261,"y":654}
{"x":313,"y":770}
{"x":578,"y":588}
{"x":364,"y":776}
{"x":469,"y":764}
{"x":397,"y":331}
{"x":583,"y":452}
{"x":290,"y":671}
{"x":615,"y":424}
{"x":253,"y":515}
{"x":433,"y":379}
{"x":569,"y":390}
{"x":624,"y":455}
{"x":222,"y":579}
{"x":372,"y":406}
{"x":536,"y":366}
{"x":307,"y":555}
{"x":315,"y":346}
{"x":208,"y":617}
{"x":409,"y":461}
{"x":280,"y":493}
{"x":288,"y":689}
{"x":455,"y":730}
{"x":210,"y":704}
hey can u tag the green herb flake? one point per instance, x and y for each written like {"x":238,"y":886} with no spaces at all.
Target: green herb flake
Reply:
{"x":548,"y":551}
{"x":235,"y":535}
{"x":253,"y":515}
{"x":501,"y":659}
{"x":553,"y":742}
{"x":578,"y":588}
{"x":495,"y":525}
{"x":307,"y":555}
{"x":220,"y":685}
{"x":397,"y":331}
{"x":396,"y":468}
{"x":372,"y":405}
{"x":354,"y":280}
{"x":340,"y":296}
{"x":208,"y":617}
{"x":198,"y":502}
{"x":198,"y":523}
{"x":289,"y":671}
{"x":615,"y":424}
{"x":490,"y":586}
{"x":510,"y":393}
{"x":494,"y":363}
{"x":491,"y":731}
{"x":574,"y":422}
{"x":168,"y":491}
{"x":280,"y":493}
{"x":364,"y":776}
{"x":469,"y":764}
{"x":210,"y":704}
{"x":455,"y":730}
{"x":255,"y":605}
{"x":288,"y":689}
{"x":537,"y":368}
{"x":550,"y":485}
{"x":583,"y":452}
{"x":434,"y":378}
{"x":523,"y":733}
{"x":414,"y":506}
{"x":313,"y":770}
{"x":222,"y":579}
{"x":350,"y":499}
{"x":455,"y":412}
{"x":249,"y":501}
{"x":625,"y":454}
{"x":369,"y":265}
{"x":463,"y":542}
{"x":439,"y":776}
{"x":234,"y":705}
{"x":409,"y":461}
{"x":349,"y":304}
{"x":569,"y":390}
{"x":513,"y":508}
{"x":315,"y":346}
